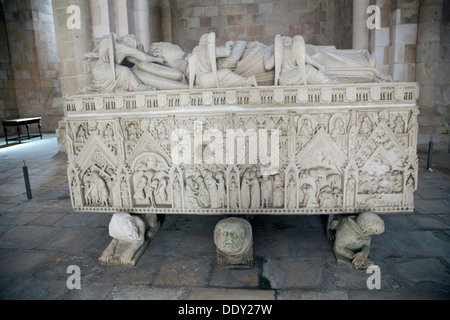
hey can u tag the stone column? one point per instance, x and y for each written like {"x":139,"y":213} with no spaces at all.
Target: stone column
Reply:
{"x":99,"y":18}
{"x":166,"y":21}
{"x":360,"y":30}
{"x":427,"y":71}
{"x":142,"y":22}
{"x":403,"y":41}
{"x":121,"y":17}
{"x":72,"y":45}
{"x":380,"y":38}
{"x":428,"y":44}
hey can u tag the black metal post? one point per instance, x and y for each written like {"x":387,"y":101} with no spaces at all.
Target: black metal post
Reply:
{"x":27,"y":180}
{"x":430,"y":154}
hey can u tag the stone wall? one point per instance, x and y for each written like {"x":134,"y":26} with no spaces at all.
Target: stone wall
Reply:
{"x":443,"y":80}
{"x":33,"y":57}
{"x":8,"y":105}
{"x":256,"y":20}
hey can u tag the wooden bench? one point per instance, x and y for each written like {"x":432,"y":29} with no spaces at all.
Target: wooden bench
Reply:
{"x":21,"y":122}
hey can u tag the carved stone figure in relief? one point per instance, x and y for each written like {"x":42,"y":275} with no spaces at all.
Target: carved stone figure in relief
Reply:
{"x":245,"y":190}
{"x":124,"y":193}
{"x":203,"y":67}
{"x":191,"y":193}
{"x":291,"y":194}
{"x":234,"y":243}
{"x":172,"y":54}
{"x":293,"y":66}
{"x":352,"y":238}
{"x":212,"y":186}
{"x":257,"y":60}
{"x":306,"y":128}
{"x":338,"y":129}
{"x":120,"y":64}
{"x":278,"y":191}
{"x":129,"y":231}
{"x":366,"y":126}
{"x":255,"y":191}
{"x":203,"y":197}
{"x":176,"y":187}
{"x":347,"y":65}
{"x":222,"y":194}
{"x":399,"y":125}
{"x":234,"y":196}
{"x":266,"y":191}
{"x":310,"y":200}
{"x":97,"y":192}
{"x":409,"y":192}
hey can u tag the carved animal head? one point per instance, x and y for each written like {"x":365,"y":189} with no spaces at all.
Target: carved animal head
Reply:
{"x":122,"y":227}
{"x":370,"y":223}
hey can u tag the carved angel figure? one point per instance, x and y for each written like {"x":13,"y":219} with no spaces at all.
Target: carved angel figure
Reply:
{"x":293,"y":66}
{"x":203,"y":71}
{"x":352,"y":238}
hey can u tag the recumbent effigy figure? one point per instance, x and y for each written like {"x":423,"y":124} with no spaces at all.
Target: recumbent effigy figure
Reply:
{"x":121,"y":64}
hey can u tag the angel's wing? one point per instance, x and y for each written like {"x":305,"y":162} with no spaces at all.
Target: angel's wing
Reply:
{"x":192,"y":58}
{"x":299,"y":51}
{"x":278,"y":47}
{"x":111,"y":56}
{"x":211,"y":54}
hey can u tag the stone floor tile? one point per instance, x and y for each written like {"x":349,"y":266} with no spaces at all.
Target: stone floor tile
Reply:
{"x":293,"y":273}
{"x":312,"y":295}
{"x":311,"y":244}
{"x":90,"y":291}
{"x":185,"y":272}
{"x":18,"y":218}
{"x":37,"y":289}
{"x":236,"y":278}
{"x":73,"y":240}
{"x":166,"y":243}
{"x":272,"y":244}
{"x":230,"y":294}
{"x":197,"y":244}
{"x":26,"y":237}
{"x":23,"y":263}
{"x":432,"y":193}
{"x":46,"y":219}
{"x":83,"y":219}
{"x":141,"y":292}
{"x":420,"y":243}
{"x":425,"y":273}
{"x":438,"y":206}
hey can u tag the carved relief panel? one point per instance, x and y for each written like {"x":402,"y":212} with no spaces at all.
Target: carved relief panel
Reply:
{"x":328,"y":160}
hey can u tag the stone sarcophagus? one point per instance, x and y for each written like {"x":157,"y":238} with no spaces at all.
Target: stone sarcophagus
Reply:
{"x":241,"y":129}
{"x":317,"y":149}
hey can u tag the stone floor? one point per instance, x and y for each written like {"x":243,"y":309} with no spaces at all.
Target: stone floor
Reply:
{"x":40,"y":238}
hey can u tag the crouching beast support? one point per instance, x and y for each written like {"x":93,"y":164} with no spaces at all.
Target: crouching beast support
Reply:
{"x":131,"y":236}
